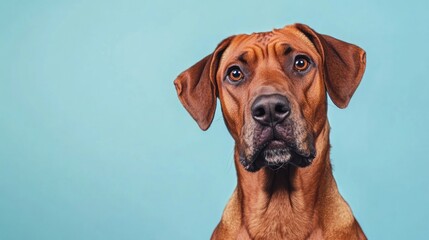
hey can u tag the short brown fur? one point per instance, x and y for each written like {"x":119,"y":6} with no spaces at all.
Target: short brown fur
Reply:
{"x":289,"y":202}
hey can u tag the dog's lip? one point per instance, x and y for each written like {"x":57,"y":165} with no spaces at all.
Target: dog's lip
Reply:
{"x":275,"y":144}
{"x":300,"y":158}
{"x":279,"y":144}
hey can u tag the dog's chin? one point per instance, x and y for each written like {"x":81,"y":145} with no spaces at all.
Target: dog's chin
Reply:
{"x":276,"y":155}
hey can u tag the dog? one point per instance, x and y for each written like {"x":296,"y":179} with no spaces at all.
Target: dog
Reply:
{"x":273,"y":89}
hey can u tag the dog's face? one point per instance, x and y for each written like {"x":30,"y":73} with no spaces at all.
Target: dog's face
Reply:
{"x":272,"y":87}
{"x":272,"y":92}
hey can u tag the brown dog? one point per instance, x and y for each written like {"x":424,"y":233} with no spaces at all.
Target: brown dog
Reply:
{"x":272,"y":88}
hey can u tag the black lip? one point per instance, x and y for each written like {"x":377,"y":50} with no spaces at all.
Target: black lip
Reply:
{"x":301,"y":161}
{"x":299,"y":158}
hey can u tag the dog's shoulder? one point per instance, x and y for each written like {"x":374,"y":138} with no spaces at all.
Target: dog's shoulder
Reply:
{"x":230,"y":223}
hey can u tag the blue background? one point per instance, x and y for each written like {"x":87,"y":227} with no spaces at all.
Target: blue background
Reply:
{"x":94,"y":143}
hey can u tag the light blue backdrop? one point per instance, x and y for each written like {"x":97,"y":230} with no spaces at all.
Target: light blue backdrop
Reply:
{"x":95,"y":145}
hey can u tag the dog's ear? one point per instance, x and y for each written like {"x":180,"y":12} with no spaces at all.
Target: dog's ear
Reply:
{"x":196,"y":87}
{"x":344,"y":65}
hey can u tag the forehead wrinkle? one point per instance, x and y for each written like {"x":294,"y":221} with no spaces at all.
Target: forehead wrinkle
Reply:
{"x":258,"y":50}
{"x":286,"y":47}
{"x":239,"y":50}
{"x":256,"y":46}
{"x":243,"y":58}
{"x":249,"y":54}
{"x":259,"y":42}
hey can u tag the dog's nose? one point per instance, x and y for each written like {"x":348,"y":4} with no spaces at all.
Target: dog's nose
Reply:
{"x":270,"y":109}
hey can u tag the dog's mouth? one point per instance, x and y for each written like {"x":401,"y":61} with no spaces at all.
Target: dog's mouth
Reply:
{"x":277,"y":154}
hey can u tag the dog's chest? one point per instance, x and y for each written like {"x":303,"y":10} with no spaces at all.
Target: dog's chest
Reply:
{"x":284,"y":218}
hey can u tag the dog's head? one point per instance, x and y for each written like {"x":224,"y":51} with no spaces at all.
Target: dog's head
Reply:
{"x":272,"y":88}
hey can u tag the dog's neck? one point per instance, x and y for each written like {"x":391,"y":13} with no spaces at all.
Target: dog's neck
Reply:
{"x":284,"y":203}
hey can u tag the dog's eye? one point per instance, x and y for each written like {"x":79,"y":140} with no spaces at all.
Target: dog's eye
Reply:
{"x":235,"y":74}
{"x":301,"y":63}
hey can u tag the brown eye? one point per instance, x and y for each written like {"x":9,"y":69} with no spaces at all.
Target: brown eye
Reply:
{"x":235,"y":74}
{"x":301,"y":63}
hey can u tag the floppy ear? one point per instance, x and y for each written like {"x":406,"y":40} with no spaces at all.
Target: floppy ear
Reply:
{"x":344,"y":65}
{"x":196,"y":87}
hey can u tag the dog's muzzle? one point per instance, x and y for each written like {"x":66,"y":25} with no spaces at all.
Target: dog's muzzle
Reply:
{"x":276,"y":139}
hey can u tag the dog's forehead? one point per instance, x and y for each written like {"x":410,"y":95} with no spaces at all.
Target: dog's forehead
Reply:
{"x":297,"y":35}
{"x":260,"y":41}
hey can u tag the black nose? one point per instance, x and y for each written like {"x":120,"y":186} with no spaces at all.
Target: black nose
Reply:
{"x":270,"y":109}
